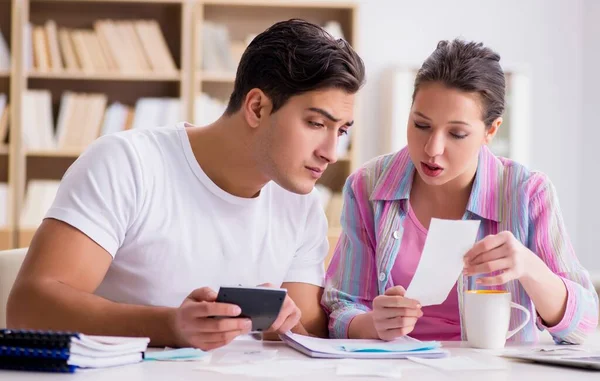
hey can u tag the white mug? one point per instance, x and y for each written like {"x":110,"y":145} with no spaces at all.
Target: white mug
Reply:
{"x":487,"y":318}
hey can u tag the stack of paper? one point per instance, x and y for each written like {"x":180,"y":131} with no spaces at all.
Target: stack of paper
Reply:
{"x":402,"y":347}
{"x":103,"y":351}
{"x":50,"y":351}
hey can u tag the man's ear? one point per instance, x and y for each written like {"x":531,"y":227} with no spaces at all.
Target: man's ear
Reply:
{"x":493,"y":130}
{"x":256,"y":106}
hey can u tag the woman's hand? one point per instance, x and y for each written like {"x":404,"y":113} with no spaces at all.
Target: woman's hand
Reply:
{"x":501,"y":253}
{"x":394,"y":315}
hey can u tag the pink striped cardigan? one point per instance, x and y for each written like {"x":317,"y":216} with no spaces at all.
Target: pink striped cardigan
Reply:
{"x":505,"y":196}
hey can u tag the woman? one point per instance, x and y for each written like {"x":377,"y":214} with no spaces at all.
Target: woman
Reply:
{"x":447,"y":172}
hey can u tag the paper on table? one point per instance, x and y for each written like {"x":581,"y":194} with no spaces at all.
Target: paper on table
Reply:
{"x":442,"y":260}
{"x":275,"y":369}
{"x":334,"y":348}
{"x":239,"y":357}
{"x":181,"y":354}
{"x":459,"y":363}
{"x":359,"y":368}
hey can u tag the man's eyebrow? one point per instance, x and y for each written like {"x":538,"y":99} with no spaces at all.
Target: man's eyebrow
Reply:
{"x":328,"y":115}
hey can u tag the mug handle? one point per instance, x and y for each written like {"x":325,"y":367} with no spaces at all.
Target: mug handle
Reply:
{"x":522,"y":325}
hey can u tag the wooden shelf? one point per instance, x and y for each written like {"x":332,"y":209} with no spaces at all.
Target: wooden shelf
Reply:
{"x":282,"y":3}
{"x":25,"y":236}
{"x":220,"y":77}
{"x":3,"y":171}
{"x":111,"y":1}
{"x":54,"y":153}
{"x":142,"y":77}
{"x":5,"y":233}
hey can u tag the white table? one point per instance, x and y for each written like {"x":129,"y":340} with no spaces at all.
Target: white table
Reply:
{"x":155,"y":371}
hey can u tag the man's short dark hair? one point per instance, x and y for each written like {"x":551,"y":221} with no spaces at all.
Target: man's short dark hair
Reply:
{"x":293,"y":57}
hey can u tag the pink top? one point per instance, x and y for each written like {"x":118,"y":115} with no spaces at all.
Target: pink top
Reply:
{"x":441,"y":322}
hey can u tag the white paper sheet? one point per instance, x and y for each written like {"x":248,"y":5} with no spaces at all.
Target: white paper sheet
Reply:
{"x":251,"y":356}
{"x":369,"y":370}
{"x":373,"y":349}
{"x":460,"y":363}
{"x":179,"y":354}
{"x":278,"y":368}
{"x":442,"y":262}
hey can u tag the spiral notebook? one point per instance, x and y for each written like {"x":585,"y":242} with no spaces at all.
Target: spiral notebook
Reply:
{"x":66,"y":351}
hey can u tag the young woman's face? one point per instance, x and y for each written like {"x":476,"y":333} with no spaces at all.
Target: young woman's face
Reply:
{"x":445,"y":133}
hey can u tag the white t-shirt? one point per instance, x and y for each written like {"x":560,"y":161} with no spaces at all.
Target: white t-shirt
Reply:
{"x":143,"y":197}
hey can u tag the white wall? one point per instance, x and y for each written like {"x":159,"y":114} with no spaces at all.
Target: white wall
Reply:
{"x":546,"y":36}
{"x":590,"y":175}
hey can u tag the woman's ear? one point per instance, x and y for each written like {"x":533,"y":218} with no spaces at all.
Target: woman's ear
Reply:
{"x":493,"y":130}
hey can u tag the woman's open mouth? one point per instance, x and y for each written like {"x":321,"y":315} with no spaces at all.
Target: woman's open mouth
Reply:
{"x":431,"y":170}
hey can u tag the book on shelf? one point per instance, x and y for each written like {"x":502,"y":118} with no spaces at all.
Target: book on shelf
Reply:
{"x":118,"y":117}
{"x":3,"y":205}
{"x":221,"y":53}
{"x":80,"y":119}
{"x":108,"y":46}
{"x":334,"y":28}
{"x":207,"y":109}
{"x":37,"y":127}
{"x":216,"y":55}
{"x":157,"y":112}
{"x":28,"y":46}
{"x":83,"y":117}
{"x":4,"y":118}
{"x":39,"y":196}
{"x":4,"y":53}
{"x":55,"y":59}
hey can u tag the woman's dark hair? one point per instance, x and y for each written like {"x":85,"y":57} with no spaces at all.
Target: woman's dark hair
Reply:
{"x":470,"y":67}
{"x":293,"y":57}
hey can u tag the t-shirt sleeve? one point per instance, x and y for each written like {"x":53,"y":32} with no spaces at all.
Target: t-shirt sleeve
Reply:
{"x":308,"y":263}
{"x":99,"y":192}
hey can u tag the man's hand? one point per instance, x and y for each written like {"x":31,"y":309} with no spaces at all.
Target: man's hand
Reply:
{"x":288,"y":317}
{"x":195,"y":326}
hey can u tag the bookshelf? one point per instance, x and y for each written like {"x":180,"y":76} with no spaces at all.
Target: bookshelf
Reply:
{"x":52,"y":83}
{"x":113,"y":60}
{"x":107,"y":77}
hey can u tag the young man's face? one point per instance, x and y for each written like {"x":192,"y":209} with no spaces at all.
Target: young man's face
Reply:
{"x":299,"y":140}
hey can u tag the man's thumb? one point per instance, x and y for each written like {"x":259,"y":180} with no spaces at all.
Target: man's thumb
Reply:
{"x":204,"y":294}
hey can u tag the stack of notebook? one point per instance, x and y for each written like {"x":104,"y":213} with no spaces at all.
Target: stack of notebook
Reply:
{"x":66,"y":351}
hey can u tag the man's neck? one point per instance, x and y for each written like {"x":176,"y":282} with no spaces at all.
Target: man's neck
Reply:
{"x":223,"y":151}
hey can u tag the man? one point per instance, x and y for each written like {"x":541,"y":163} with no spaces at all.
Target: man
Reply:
{"x":147,"y":217}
